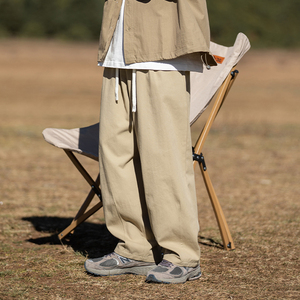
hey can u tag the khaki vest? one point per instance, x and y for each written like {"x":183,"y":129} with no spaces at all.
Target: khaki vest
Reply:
{"x":158,"y":29}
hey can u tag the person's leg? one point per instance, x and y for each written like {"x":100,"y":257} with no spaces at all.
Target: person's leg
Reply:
{"x":164,"y":144}
{"x":121,"y":182}
{"x":163,"y":134}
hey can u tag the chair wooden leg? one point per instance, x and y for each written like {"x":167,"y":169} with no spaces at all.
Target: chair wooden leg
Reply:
{"x":198,"y":157}
{"x":81,"y":219}
{"x":82,"y":215}
{"x":224,"y":230}
{"x":88,"y":200}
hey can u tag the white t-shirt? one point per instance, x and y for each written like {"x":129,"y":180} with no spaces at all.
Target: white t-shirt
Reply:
{"x":115,"y":55}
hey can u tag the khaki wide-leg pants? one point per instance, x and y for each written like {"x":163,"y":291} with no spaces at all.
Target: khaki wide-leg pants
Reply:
{"x":146,"y":170}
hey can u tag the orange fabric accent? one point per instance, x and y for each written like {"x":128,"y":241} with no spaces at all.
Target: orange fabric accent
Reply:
{"x":219,"y":59}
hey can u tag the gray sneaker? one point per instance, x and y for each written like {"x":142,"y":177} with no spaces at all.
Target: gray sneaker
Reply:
{"x":115,"y":264}
{"x":166,"y":272}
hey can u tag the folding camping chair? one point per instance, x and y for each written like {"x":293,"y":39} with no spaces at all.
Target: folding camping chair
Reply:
{"x":211,"y":84}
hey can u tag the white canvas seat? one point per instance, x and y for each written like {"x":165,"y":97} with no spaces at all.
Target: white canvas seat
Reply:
{"x":204,"y":86}
{"x":80,"y":140}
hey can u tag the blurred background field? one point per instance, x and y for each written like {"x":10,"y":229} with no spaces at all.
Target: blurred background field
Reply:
{"x":271,"y":23}
{"x":252,"y":155}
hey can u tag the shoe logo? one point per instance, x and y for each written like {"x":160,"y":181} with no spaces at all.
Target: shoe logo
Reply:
{"x":124,"y":260}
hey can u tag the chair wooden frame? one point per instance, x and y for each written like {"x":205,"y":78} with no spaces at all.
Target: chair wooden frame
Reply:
{"x":83,"y":213}
{"x":198,"y":157}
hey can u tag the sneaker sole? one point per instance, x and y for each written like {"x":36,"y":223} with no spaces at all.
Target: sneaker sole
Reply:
{"x":133,"y":270}
{"x":189,"y":277}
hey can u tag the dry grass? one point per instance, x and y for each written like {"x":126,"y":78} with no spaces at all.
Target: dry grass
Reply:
{"x":252,"y":155}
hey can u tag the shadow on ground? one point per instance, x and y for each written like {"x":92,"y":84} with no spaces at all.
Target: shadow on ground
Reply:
{"x":90,"y":239}
{"x":209,"y":242}
{"x":93,"y":240}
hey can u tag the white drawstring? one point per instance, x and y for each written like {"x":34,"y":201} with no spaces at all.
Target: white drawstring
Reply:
{"x":205,"y":62}
{"x":117,"y":85}
{"x":133,"y":90}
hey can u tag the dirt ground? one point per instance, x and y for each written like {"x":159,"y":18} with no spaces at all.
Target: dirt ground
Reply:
{"x":252,"y":155}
